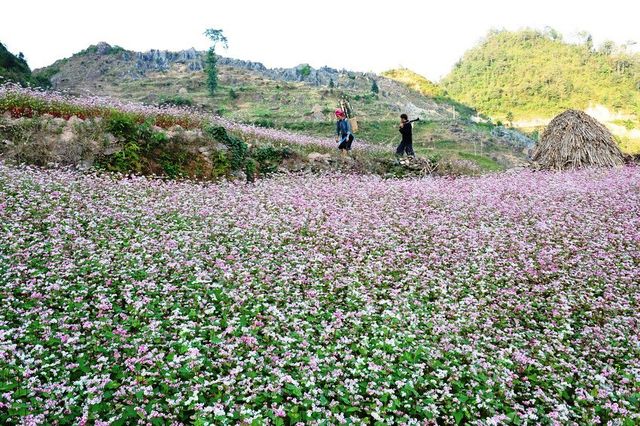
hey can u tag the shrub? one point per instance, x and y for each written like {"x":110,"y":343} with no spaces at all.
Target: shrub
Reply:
{"x":305,"y":71}
{"x":265,"y":122}
{"x":269,"y":158}
{"x":138,"y":141}
{"x":250,"y":169}
{"x":177,"y":101}
{"x":237,"y":148}
{"x":122,"y":125}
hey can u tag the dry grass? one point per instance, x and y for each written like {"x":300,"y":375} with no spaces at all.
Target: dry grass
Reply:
{"x":574,"y":139}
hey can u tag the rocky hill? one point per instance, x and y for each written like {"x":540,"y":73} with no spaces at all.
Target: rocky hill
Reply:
{"x":106,"y":70}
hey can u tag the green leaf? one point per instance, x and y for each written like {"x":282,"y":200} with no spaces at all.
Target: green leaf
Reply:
{"x":8,"y":386}
{"x":458,"y":415}
{"x":20,"y":392}
{"x":294,"y":390}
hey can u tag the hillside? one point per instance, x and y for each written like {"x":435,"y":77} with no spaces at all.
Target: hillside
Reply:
{"x":529,"y":76}
{"x":301,"y":99}
{"x":15,"y":68}
{"x":415,"y":81}
{"x":300,"y":93}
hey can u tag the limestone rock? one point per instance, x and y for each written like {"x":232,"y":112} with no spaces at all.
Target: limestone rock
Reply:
{"x":239,"y":175}
{"x":103,"y":48}
{"x":67,"y":134}
{"x":316,"y":157}
{"x":113,"y":149}
{"x":73,"y":120}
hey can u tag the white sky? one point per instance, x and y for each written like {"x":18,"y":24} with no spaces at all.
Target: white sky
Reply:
{"x":428,"y":37}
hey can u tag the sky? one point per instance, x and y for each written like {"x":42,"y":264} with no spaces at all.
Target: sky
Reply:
{"x":427,"y":37}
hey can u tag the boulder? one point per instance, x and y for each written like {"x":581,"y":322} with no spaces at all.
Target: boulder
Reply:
{"x":67,"y":134}
{"x":239,"y":176}
{"x":113,"y":149}
{"x":73,"y":120}
{"x":59,"y":121}
{"x":103,"y":48}
{"x":316,"y":157}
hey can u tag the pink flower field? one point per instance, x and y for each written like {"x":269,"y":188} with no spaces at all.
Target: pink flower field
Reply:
{"x":505,"y":299}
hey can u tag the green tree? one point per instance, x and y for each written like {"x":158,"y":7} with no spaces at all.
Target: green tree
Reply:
{"x":510,"y":118}
{"x":211,"y":61}
{"x":374,"y":87}
{"x":305,"y":70}
{"x":607,"y":47}
{"x":587,"y":39}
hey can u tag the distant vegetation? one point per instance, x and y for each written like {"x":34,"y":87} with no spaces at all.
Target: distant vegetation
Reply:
{"x":525,"y":74}
{"x":14,"y":68}
{"x":103,"y":49}
{"x":414,"y":81}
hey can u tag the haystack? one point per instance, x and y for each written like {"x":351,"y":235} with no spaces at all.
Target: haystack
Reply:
{"x":574,"y":139}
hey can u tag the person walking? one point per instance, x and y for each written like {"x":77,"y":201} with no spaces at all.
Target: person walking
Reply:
{"x":344,"y":136}
{"x":406,"y":130}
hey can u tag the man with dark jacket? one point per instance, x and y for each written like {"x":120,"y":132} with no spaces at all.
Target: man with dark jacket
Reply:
{"x":406,"y":145}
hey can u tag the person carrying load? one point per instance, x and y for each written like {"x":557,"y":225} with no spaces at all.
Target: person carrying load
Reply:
{"x":344,"y":135}
{"x":406,"y":130}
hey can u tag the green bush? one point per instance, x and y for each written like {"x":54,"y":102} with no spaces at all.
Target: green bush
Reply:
{"x":122,"y":125}
{"x":305,"y":71}
{"x":126,"y":161}
{"x":138,"y":141}
{"x":176,"y":101}
{"x":269,"y":158}
{"x":237,"y":148}
{"x":265,"y":122}
{"x":250,"y":169}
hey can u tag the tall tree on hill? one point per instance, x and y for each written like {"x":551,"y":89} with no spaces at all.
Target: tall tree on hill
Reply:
{"x":211,"y":61}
